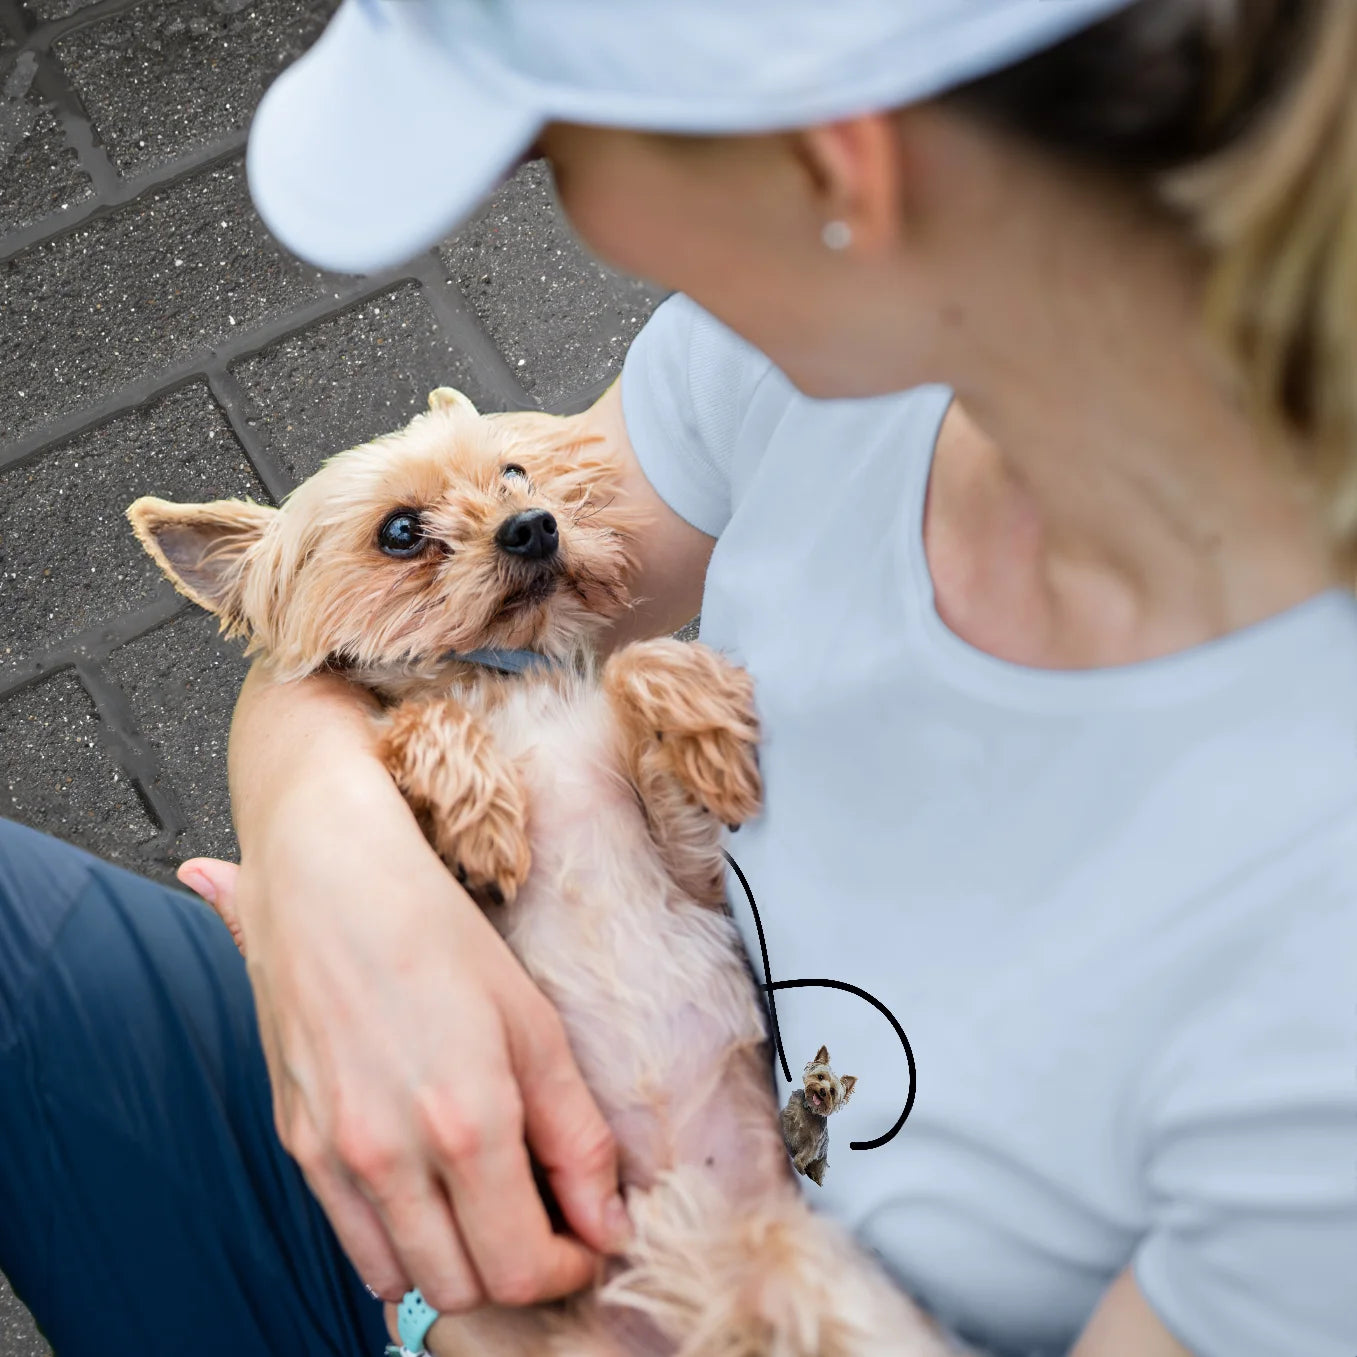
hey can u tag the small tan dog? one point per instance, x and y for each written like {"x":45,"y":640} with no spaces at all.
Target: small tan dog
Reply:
{"x":805,"y":1126}
{"x":584,"y":808}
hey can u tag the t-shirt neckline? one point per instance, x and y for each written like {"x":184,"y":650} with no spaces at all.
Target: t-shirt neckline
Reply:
{"x":1267,"y":650}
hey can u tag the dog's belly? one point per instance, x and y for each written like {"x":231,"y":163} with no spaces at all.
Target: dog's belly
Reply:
{"x":651,"y":986}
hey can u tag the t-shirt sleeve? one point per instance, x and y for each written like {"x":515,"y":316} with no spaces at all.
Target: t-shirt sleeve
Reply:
{"x":1252,"y":1165}
{"x":685,"y":384}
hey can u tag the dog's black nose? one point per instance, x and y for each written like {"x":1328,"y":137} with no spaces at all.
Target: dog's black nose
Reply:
{"x":531,"y":533}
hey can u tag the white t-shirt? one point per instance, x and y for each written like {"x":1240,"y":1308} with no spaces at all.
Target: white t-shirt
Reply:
{"x":1114,"y":910}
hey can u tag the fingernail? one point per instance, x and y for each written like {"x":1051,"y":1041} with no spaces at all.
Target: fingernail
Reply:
{"x":616,"y":1222}
{"x":196,"y":881}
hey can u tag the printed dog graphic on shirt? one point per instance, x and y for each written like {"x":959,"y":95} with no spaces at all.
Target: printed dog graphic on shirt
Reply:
{"x":805,"y":1119}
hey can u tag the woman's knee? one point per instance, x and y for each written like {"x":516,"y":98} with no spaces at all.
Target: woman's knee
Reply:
{"x":41,"y":880}
{"x":91,"y":954}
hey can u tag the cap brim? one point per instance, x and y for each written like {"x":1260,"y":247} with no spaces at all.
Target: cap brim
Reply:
{"x":376,"y":144}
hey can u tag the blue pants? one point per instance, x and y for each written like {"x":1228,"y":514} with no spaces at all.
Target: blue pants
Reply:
{"x":147,"y":1207}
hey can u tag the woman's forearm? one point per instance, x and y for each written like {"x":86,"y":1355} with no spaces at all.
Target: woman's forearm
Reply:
{"x":292,"y":740}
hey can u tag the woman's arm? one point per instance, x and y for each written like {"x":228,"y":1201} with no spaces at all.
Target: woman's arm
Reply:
{"x":1123,"y":1325}
{"x":379,"y":985}
{"x":673,"y":554}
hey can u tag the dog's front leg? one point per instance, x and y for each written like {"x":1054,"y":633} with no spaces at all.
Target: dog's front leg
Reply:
{"x":690,"y":735}
{"x":466,"y":795}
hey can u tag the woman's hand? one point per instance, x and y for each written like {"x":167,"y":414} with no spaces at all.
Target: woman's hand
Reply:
{"x":413,"y":1062}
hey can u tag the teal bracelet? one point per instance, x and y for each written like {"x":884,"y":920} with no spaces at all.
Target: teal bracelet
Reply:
{"x":414,"y":1318}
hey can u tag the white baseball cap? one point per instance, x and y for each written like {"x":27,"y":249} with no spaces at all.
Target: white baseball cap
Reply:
{"x":407,"y":113}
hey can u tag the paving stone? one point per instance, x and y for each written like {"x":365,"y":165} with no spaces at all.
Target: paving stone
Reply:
{"x":128,"y":295}
{"x":47,"y":10}
{"x":56,"y":773}
{"x":19,"y":1335}
{"x":68,"y":560}
{"x":364,"y":373}
{"x":561,"y":319}
{"x":39,"y":172}
{"x":182,"y":681}
{"x":162,"y":78}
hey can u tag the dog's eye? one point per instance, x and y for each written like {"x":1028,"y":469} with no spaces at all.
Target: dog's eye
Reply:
{"x":513,"y":469}
{"x":401,"y":534}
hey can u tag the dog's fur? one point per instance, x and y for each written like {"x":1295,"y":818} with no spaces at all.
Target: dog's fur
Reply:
{"x":583,"y":806}
{"x":805,"y":1119}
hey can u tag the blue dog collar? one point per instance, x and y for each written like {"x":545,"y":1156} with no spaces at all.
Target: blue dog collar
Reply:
{"x":414,"y":1318}
{"x":506,"y":661}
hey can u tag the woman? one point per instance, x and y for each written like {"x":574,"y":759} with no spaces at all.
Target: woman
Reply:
{"x":1009,"y":437}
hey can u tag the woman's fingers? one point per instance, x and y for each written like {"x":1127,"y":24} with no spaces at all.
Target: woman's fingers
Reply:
{"x":215,"y":881}
{"x":518,"y":1258}
{"x":416,"y":1216}
{"x":360,"y":1231}
{"x":356,"y":1223}
{"x":567,"y":1133}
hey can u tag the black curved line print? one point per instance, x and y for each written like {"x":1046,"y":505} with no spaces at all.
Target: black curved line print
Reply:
{"x":767,"y":985}
{"x":770,"y":985}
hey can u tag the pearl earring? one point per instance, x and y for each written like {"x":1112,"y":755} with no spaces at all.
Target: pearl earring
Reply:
{"x":837,"y":235}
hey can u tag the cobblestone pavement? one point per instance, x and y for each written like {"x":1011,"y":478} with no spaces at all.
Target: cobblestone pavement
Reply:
{"x":153,"y":339}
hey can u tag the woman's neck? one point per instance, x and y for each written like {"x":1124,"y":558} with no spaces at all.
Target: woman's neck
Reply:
{"x":1098,"y":495}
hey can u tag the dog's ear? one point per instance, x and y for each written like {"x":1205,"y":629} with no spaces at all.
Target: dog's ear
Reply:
{"x":848,"y":1083}
{"x":445,"y":397}
{"x":821,"y":1056}
{"x":202,"y":548}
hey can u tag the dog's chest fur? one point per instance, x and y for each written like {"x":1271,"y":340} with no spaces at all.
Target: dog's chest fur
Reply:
{"x":619,"y":949}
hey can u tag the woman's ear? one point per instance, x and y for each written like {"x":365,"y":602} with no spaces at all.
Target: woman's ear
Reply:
{"x":856,"y":172}
{"x":203,"y":549}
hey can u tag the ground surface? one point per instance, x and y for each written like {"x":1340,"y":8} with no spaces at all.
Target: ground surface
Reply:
{"x":154,"y":340}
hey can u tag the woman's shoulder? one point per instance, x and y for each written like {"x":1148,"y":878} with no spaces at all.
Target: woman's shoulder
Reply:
{"x":688,"y":345}
{"x":717,"y":374}
{"x":704,"y":408}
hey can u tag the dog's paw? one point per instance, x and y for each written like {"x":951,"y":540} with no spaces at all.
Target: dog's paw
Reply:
{"x":466,"y":797}
{"x":720,"y":770}
{"x":699,"y":710}
{"x":490,"y":858}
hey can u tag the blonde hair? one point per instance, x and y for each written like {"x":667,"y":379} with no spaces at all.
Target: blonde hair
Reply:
{"x":1241,"y":116}
{"x":1278,"y":209}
